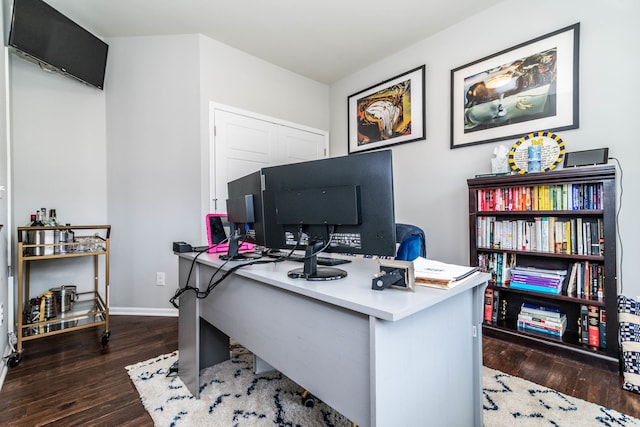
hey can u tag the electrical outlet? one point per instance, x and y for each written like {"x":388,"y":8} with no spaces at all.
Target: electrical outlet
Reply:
{"x":160,"y":278}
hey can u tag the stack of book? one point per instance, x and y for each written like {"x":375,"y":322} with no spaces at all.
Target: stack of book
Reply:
{"x":538,"y":280}
{"x":538,"y":318}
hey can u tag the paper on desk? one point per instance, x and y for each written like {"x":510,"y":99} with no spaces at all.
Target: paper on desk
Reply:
{"x":438,"y":274}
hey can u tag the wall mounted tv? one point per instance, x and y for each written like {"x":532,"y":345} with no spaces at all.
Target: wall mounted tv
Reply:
{"x":43,"y":35}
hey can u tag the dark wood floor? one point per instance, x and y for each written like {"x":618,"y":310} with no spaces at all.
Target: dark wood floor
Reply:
{"x":68,"y":380}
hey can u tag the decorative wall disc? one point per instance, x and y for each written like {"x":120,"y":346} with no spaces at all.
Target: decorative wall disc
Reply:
{"x":551,"y":151}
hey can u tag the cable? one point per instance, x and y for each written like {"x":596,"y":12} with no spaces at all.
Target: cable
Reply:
{"x":618,"y":224}
{"x":212,"y":284}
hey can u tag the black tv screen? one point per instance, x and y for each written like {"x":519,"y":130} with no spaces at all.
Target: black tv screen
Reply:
{"x":46,"y":36}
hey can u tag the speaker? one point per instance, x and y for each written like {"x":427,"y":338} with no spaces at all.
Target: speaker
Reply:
{"x":598,"y":156}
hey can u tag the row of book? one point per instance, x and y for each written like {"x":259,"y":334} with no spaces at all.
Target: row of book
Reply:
{"x":542,"y":198}
{"x":592,"y":326}
{"x":498,"y":264}
{"x":540,"y":280}
{"x":591,"y":321}
{"x":582,"y":279}
{"x":575,"y":236}
{"x":538,"y":318}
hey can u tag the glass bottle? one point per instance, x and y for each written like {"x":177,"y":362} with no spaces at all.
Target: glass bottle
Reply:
{"x":39,"y":218}
{"x":53,"y":218}
{"x":70,"y":239}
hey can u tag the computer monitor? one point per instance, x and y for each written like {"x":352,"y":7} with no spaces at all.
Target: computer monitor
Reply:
{"x":244,"y":214}
{"x":340,"y":204}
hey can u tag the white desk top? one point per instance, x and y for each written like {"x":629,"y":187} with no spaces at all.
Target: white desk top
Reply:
{"x":352,"y":292}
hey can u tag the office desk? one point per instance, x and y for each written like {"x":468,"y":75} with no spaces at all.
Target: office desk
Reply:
{"x":380,"y":358}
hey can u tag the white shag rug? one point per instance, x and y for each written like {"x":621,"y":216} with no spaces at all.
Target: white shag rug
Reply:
{"x":231,"y":395}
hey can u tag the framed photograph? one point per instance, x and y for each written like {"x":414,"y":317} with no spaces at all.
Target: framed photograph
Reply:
{"x":529,"y":87}
{"x":389,"y":113}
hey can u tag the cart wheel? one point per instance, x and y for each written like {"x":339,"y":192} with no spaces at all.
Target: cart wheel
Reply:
{"x":308,"y":399}
{"x":14,"y":359}
{"x":106,"y":335}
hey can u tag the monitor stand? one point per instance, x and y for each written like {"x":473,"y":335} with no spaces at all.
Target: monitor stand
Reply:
{"x":311,"y":271}
{"x":232,"y":251}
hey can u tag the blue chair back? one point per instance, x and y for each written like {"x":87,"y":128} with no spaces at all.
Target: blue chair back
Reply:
{"x":412,"y":242}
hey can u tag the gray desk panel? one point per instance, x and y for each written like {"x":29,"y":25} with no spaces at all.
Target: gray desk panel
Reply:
{"x":323,"y":348}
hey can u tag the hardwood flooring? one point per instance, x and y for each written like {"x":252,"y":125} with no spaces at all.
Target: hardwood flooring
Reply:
{"x":69,"y":380}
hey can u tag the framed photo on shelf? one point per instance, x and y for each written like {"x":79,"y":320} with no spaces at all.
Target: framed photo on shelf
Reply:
{"x":530,"y":87}
{"x":388,"y":113}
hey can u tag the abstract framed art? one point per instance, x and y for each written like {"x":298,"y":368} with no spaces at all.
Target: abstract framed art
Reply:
{"x":529,"y":87}
{"x":388,"y":113}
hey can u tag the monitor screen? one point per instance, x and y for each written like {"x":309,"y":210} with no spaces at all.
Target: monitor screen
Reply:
{"x":43,"y":35}
{"x":244,"y":213}
{"x":340,"y":204}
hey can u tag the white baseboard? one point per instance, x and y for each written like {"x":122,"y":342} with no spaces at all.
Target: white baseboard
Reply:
{"x":143,"y":311}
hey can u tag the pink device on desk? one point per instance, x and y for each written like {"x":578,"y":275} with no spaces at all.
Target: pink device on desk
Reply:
{"x":217,"y":234}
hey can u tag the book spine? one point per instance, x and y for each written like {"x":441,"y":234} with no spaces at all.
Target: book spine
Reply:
{"x":584,"y":324}
{"x":535,"y":288}
{"x":540,"y":310}
{"x":603,"y":327}
{"x":530,"y":327}
{"x":594,"y":326}
{"x":542,"y":320}
{"x":488,"y":304}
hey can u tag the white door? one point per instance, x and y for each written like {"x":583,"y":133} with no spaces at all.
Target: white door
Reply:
{"x":242,"y":143}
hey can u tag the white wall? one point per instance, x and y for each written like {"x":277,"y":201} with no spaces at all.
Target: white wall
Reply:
{"x":430,"y":178}
{"x":158,"y":94}
{"x":59,"y":157}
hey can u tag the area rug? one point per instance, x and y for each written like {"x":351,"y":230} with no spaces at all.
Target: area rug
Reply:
{"x":231,"y":395}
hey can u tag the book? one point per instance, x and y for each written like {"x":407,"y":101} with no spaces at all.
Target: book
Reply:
{"x":439,"y":274}
{"x":530,"y":327}
{"x":603,"y":327}
{"x":594,"y":326}
{"x":488,"y":304}
{"x":550,"y":322}
{"x":571,"y":286}
{"x":536,"y":288}
{"x":540,"y":310}
{"x":584,"y":324}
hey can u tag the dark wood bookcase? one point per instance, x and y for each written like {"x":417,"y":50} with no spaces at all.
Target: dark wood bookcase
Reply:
{"x":515,"y":200}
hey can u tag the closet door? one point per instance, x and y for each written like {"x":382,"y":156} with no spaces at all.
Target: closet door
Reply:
{"x":242,"y":143}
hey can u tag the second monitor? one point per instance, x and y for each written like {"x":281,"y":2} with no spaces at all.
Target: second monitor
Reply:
{"x":340,"y":204}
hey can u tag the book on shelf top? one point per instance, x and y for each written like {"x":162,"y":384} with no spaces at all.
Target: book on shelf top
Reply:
{"x":540,"y":309}
{"x":438,"y":274}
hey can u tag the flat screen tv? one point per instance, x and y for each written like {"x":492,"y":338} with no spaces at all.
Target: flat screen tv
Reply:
{"x":43,"y":35}
{"x":340,"y":204}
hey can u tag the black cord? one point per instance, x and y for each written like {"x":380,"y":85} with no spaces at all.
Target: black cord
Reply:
{"x":212,"y":284}
{"x":618,"y":223}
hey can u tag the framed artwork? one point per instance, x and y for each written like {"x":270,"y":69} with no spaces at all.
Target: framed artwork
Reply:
{"x":389,"y":113}
{"x":530,"y":87}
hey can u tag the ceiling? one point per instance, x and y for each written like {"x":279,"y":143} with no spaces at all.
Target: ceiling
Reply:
{"x":323,"y":40}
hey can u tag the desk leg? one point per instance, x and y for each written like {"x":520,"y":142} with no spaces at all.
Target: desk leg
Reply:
{"x":200,"y":344}
{"x":214,"y":345}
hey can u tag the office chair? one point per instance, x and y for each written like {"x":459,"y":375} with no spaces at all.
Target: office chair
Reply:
{"x":412,"y":240}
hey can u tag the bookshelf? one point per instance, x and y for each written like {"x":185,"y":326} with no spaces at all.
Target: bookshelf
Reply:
{"x":561,"y":221}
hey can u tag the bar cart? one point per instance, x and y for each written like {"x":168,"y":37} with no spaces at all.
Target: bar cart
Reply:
{"x":44,"y":315}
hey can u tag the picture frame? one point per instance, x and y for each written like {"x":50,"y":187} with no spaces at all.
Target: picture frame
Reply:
{"x":529,"y":87}
{"x":389,"y":113}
